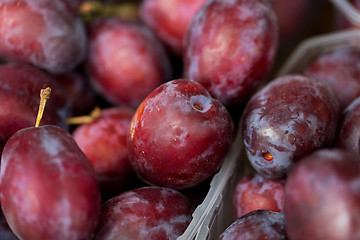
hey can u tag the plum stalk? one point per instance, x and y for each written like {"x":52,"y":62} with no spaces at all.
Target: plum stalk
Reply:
{"x":44,"y":96}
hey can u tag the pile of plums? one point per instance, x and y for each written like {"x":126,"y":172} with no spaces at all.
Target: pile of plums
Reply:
{"x":144,"y":108}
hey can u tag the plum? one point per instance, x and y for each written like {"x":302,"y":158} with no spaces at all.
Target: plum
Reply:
{"x":348,"y":134}
{"x":179,"y":135}
{"x":19,"y":94}
{"x":337,"y":69}
{"x":145,"y":213}
{"x":81,"y":95}
{"x":257,"y":192}
{"x":322,"y":196}
{"x":57,"y":40}
{"x":48,"y":186}
{"x":288,"y":118}
{"x":104,"y":143}
{"x":230,"y":47}
{"x":126,"y":62}
{"x":257,"y":225}
{"x":170,"y":19}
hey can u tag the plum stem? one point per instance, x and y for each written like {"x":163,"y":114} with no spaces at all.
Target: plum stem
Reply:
{"x":44,"y":96}
{"x":90,"y":10}
{"x":94,"y":114}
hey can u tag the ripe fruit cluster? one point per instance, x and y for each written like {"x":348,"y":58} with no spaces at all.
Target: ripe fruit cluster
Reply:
{"x":143,"y":99}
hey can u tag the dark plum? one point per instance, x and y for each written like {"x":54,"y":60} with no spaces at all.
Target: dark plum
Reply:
{"x":256,"y":192}
{"x":348,"y":135}
{"x":179,"y":135}
{"x":81,"y":96}
{"x":44,"y":33}
{"x":337,"y":69}
{"x":287,"y":119}
{"x":257,"y":225}
{"x":126,"y":62}
{"x":104,"y":143}
{"x":170,"y":19}
{"x":322,"y":197}
{"x":19,"y":99}
{"x":154,"y":213}
{"x":48,"y":186}
{"x":230,"y":47}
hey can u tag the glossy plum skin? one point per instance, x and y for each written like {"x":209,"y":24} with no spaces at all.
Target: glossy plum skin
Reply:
{"x":19,"y":99}
{"x":322,"y":197}
{"x":337,"y":69}
{"x":126,"y":62}
{"x":289,"y":118}
{"x":57,"y":40}
{"x":170,"y":19}
{"x":179,"y":135}
{"x":48,"y":186}
{"x":81,"y":95}
{"x":145,"y":213}
{"x":257,"y":225}
{"x":348,"y":135}
{"x":256,"y":192}
{"x":230,"y":48}
{"x":104,"y":143}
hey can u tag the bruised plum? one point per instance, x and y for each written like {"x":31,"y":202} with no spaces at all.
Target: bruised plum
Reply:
{"x":287,"y":119}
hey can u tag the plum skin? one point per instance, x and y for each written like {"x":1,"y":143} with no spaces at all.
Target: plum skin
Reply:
{"x":179,"y":135}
